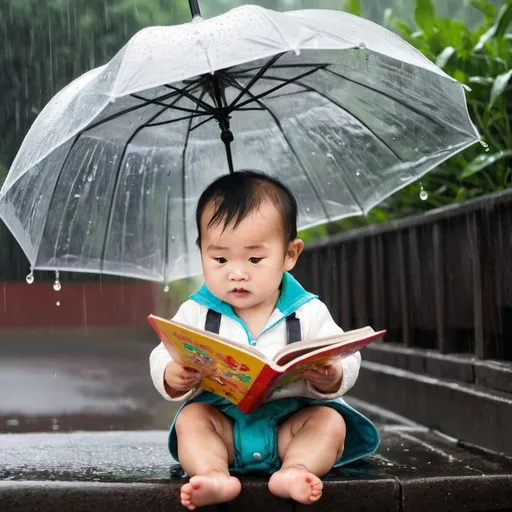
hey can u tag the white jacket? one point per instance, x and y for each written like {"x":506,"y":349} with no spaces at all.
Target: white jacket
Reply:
{"x":315,"y":320}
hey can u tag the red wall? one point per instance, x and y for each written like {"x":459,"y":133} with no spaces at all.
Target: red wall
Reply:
{"x":92,"y":304}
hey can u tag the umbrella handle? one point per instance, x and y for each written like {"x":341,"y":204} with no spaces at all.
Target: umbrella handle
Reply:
{"x":194,"y":8}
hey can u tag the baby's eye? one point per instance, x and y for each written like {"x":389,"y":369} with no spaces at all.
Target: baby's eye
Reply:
{"x":220,"y":260}
{"x":255,"y":260}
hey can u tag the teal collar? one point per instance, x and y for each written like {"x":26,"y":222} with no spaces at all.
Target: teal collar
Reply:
{"x":292,"y":297}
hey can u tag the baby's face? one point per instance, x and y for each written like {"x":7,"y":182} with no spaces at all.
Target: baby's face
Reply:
{"x":244,"y":266}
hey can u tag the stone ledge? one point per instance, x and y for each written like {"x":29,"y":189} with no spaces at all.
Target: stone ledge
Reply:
{"x":414,"y":470}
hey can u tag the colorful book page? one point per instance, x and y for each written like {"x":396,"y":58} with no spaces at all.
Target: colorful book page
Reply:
{"x":228,"y":372}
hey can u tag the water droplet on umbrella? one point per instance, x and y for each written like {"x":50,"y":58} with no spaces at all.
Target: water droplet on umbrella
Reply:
{"x":57,"y":286}
{"x":484,"y":145}
{"x":166,"y":288}
{"x":30,"y":277}
{"x":362,"y":45}
{"x":308,"y":209}
{"x":296,"y":51}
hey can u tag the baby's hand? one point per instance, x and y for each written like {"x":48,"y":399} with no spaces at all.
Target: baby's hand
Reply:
{"x":179,"y":379}
{"x":327,"y":379}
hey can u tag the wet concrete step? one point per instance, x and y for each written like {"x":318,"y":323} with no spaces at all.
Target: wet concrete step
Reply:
{"x":413,"y":470}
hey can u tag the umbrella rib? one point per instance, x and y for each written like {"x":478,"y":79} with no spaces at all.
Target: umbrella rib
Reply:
{"x":201,"y":123}
{"x":396,"y":100}
{"x":356,"y":200}
{"x":183,"y":189}
{"x":130,"y":109}
{"x":192,"y":116}
{"x":311,"y":89}
{"x":286,"y":82}
{"x":155,"y":102}
{"x":208,"y":108}
{"x":77,"y":137}
{"x":114,"y":192}
{"x":235,"y":83}
{"x":255,"y":78}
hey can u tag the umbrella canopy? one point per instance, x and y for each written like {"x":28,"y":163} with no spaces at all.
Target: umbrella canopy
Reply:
{"x":339,"y":108}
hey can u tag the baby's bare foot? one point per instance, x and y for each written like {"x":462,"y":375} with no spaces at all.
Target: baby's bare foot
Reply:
{"x":211,"y":487}
{"x":298,"y":483}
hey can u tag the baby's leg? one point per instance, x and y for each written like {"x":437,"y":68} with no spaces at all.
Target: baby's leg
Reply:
{"x":309,"y":443}
{"x":205,"y":448}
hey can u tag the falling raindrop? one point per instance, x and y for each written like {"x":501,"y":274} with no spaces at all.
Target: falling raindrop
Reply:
{"x":358,"y":173}
{"x":57,"y":286}
{"x":166,"y":288}
{"x":58,"y":303}
{"x":30,"y":277}
{"x":423,"y":193}
{"x":296,"y":51}
{"x":77,"y":196}
{"x":330,"y":155}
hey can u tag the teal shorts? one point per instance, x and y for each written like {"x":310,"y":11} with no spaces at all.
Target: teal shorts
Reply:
{"x":255,"y":434}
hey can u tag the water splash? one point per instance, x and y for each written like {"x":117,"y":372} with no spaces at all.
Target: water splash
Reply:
{"x":57,"y":286}
{"x":30,"y":278}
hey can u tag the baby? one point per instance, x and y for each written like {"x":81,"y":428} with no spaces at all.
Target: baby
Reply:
{"x":248,"y":240}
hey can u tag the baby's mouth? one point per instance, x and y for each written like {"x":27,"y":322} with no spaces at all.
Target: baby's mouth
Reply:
{"x":239,"y":291}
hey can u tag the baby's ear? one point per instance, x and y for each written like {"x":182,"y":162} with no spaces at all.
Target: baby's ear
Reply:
{"x":295,"y":247}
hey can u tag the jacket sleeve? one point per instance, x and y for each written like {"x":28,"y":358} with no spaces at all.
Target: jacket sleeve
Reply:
{"x":159,"y":358}
{"x":321,"y":324}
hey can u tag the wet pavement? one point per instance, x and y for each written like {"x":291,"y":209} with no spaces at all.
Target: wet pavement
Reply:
{"x":83,"y":429}
{"x":92,"y":385}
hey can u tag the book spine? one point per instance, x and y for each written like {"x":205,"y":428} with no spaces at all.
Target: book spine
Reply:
{"x":259,"y":391}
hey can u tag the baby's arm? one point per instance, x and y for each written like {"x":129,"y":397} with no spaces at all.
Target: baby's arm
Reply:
{"x":171,"y":379}
{"x":322,"y":325}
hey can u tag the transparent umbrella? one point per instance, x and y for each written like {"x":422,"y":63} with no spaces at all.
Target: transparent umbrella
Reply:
{"x":342,"y":110}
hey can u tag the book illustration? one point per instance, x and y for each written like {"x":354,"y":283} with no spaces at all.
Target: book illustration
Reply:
{"x":226,"y":373}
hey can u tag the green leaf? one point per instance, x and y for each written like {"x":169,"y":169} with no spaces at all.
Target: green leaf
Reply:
{"x":485,"y":7}
{"x":499,"y":28}
{"x":388,"y":15}
{"x":500,"y":84}
{"x":424,"y":14}
{"x":481,"y":80}
{"x":483,"y":161}
{"x":354,"y":7}
{"x":503,"y":21}
{"x":444,"y":56}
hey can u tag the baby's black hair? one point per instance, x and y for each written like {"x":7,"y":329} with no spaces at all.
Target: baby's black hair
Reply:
{"x":236,"y":195}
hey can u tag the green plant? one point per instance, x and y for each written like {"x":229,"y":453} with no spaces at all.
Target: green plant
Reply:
{"x":480,"y":58}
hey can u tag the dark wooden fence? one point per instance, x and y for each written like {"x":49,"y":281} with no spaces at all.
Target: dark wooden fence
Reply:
{"x":441,"y":284}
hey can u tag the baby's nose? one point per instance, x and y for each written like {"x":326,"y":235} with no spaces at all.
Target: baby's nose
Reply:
{"x":237,"y":274}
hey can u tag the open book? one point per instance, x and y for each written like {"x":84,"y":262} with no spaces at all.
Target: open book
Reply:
{"x":241,"y":373}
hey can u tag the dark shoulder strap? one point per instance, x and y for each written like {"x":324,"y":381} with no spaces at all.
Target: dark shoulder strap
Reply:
{"x":293,"y":333}
{"x":212,"y":323}
{"x":293,"y":328}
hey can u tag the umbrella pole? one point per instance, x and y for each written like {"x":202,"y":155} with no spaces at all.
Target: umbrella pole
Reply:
{"x":194,"y":8}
